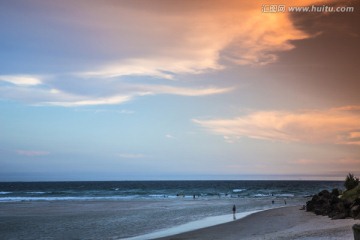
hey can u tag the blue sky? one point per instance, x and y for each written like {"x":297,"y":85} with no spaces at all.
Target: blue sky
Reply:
{"x":123,"y":90}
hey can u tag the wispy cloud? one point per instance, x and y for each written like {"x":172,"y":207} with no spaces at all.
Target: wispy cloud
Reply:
{"x":32,"y":153}
{"x":95,"y":101}
{"x":169,"y":136}
{"x":22,"y":80}
{"x":193,"y":92}
{"x":133,"y":91}
{"x":336,"y":126}
{"x":161,"y":68}
{"x":55,"y":94}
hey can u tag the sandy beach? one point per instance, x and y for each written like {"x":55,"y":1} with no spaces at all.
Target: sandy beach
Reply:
{"x":280,"y":223}
{"x":111,"y":219}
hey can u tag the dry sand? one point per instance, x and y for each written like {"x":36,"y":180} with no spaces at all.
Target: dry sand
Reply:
{"x":280,"y":223}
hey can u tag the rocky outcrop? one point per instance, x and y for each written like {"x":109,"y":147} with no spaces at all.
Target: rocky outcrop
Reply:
{"x":330,"y":204}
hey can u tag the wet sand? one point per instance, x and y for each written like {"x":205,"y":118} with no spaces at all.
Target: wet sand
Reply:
{"x":59,"y":220}
{"x":91,"y":220}
{"x":281,"y":223}
{"x":109,"y":220}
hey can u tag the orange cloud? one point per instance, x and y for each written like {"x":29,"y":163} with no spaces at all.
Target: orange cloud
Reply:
{"x":161,"y":40}
{"x":334,"y":126}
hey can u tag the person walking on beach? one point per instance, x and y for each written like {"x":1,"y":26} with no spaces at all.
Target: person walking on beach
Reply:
{"x":234,"y":211}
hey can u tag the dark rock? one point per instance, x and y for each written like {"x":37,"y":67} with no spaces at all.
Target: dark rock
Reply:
{"x":310,"y":206}
{"x":315,"y":198}
{"x":332,"y":214}
{"x":318,"y":211}
{"x":334,"y":200}
{"x":356,"y":201}
{"x":355,"y":211}
{"x":339,"y":216}
{"x":326,"y":203}
{"x":324,"y":193}
{"x":347,"y":204}
{"x":339,"y":207}
{"x":356,"y":231}
{"x":335,"y":192}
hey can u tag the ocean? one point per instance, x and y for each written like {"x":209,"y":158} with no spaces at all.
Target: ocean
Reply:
{"x":132,"y":209}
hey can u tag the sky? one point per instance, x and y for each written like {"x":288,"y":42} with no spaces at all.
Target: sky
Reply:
{"x":179,"y":90}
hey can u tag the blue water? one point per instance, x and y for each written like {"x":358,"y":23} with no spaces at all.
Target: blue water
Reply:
{"x":127,"y":209}
{"x":118,"y":190}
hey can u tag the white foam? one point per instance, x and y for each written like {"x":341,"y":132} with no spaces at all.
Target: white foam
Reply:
{"x":262,"y":195}
{"x":238,"y":190}
{"x":206,"y":222}
{"x":158,"y":196}
{"x":285,"y":195}
{"x":22,"y":199}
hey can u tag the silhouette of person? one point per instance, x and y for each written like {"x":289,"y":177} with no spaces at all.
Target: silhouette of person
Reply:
{"x":234,"y":211}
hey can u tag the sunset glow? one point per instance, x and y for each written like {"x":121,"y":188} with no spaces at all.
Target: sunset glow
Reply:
{"x":92,"y":90}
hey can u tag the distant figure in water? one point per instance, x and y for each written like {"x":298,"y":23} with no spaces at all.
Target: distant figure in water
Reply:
{"x":272,"y":201}
{"x":285,"y":201}
{"x":234,"y":211}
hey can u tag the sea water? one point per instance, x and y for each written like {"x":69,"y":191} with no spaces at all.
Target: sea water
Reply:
{"x":168,"y":207}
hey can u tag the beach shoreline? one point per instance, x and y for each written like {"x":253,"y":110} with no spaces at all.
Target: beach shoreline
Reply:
{"x":192,"y":226}
{"x":106,"y":219}
{"x":109,"y":220}
{"x":277,"y":223}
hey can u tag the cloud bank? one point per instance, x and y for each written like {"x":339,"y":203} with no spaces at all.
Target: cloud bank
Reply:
{"x":334,"y":126}
{"x":190,"y":39}
{"x":158,"y":41}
